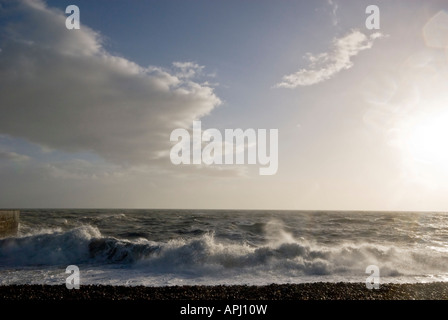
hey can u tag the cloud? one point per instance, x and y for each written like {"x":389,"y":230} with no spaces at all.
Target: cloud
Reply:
{"x":13,"y":156}
{"x":62,"y":90}
{"x":326,"y":65}
{"x":334,"y":9}
{"x":187,"y":69}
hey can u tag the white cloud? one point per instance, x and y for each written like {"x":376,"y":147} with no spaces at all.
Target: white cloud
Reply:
{"x":13,"y":156}
{"x":326,"y":65}
{"x":62,"y":90}
{"x":334,"y":9}
{"x":187,"y":69}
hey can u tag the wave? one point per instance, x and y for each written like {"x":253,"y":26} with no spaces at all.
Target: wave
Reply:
{"x":47,"y":247}
{"x":205,"y":255}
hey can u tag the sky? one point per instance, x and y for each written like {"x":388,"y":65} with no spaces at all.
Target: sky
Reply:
{"x":361,"y":113}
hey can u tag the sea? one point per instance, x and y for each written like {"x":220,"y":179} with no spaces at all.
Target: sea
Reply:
{"x":213,"y":247}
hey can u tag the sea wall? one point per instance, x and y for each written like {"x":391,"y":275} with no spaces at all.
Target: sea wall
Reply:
{"x":9,"y":222}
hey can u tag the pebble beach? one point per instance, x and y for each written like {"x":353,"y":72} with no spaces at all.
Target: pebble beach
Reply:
{"x":285,"y":292}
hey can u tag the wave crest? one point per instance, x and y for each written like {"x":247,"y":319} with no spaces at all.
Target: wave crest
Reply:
{"x":205,"y":255}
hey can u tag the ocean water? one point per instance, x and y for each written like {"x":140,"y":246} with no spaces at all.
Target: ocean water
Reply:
{"x":189,"y":247}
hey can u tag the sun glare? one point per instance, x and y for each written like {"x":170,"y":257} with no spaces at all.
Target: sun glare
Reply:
{"x":427,"y":140}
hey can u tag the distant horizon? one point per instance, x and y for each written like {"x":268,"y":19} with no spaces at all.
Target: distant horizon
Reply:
{"x":220,"y":209}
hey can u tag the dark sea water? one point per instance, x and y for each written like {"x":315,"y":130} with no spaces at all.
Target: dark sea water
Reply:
{"x":177,"y":247}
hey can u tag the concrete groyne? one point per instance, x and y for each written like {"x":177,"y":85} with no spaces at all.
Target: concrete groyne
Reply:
{"x":9,"y":222}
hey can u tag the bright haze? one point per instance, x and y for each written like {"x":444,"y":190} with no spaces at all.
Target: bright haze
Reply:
{"x":86,"y":115}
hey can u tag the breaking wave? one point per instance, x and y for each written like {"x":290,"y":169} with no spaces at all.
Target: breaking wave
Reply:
{"x":205,"y":255}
